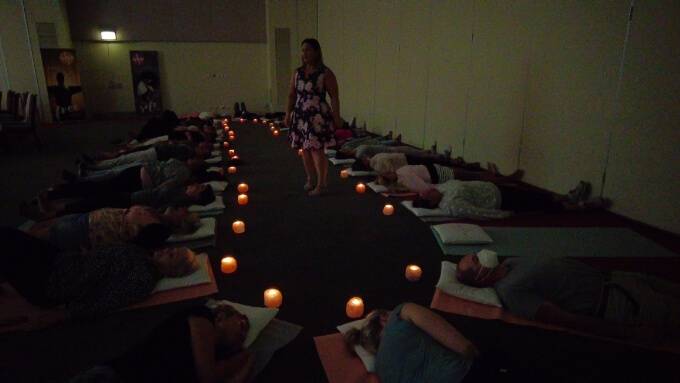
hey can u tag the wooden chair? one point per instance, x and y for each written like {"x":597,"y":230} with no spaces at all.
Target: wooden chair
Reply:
{"x":27,"y":126}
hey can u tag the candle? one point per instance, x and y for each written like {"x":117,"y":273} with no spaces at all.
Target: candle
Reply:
{"x":239,"y":227}
{"x":228,"y":265}
{"x":388,"y":209}
{"x":272,"y":128}
{"x":232,"y":137}
{"x":242,"y":119}
{"x":255,"y":120}
{"x":234,"y":158}
{"x":242,"y":188}
{"x":232,"y":152}
{"x":344,"y":173}
{"x":276,"y":132}
{"x":413,"y":273}
{"x":354,"y":308}
{"x":226,"y":144}
{"x":299,"y":152}
{"x":231,"y":170}
{"x":361,"y":188}
{"x":242,"y":199}
{"x":273,"y":298}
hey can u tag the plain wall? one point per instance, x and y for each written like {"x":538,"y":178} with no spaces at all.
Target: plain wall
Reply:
{"x":542,"y":86}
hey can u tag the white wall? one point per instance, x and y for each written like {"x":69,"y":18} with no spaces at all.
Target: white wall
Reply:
{"x":523,"y":84}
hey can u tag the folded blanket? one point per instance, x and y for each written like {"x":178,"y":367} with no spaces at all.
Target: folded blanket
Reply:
{"x":421,"y":212}
{"x":205,"y":230}
{"x":345,"y":161}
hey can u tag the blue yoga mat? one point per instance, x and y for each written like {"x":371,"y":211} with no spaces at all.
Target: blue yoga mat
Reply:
{"x":600,"y":242}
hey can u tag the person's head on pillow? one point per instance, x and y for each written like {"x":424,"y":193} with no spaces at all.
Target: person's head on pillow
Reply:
{"x":203,"y":150}
{"x":368,"y":336}
{"x":472,"y":273}
{"x":232,"y":328}
{"x":180,"y":220}
{"x":174,"y":262}
{"x":200,"y":194}
{"x":428,"y":199}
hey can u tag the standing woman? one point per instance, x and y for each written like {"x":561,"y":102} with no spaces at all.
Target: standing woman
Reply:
{"x":311,"y":120}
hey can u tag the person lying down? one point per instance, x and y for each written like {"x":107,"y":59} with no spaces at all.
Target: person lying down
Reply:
{"x":569,"y":293}
{"x":424,"y":346}
{"x":194,"y":345}
{"x":83,"y":285}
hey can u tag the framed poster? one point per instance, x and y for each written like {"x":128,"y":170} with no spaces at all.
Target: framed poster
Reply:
{"x":146,"y":82}
{"x":63,"y":84}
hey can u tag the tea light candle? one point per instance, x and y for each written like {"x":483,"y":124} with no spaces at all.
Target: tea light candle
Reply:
{"x":239,"y":227}
{"x":354,"y":308}
{"x":225,"y":144}
{"x":231,"y":170}
{"x":299,"y":152}
{"x":242,"y":199}
{"x":388,"y":209}
{"x":344,"y":173}
{"x":273,"y":298}
{"x":413,"y":273}
{"x":232,"y":152}
{"x":232,"y":137}
{"x":276,"y":132}
{"x":361,"y":188}
{"x":242,"y":188}
{"x":242,"y":119}
{"x":228,"y":265}
{"x":234,"y":158}
{"x":255,"y":120}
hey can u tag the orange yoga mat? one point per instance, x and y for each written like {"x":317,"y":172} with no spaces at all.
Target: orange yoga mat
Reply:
{"x":340,"y":364}
{"x":454,"y":305}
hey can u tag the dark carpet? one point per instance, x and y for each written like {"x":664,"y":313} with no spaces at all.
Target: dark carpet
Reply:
{"x":319,"y":252}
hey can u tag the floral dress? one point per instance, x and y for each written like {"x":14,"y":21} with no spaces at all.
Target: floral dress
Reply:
{"x":312,"y":119}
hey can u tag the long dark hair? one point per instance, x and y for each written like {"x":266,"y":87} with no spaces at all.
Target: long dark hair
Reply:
{"x":314,"y":43}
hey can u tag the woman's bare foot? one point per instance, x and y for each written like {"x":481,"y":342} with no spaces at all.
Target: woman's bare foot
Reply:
{"x":308,"y":186}
{"x":319,"y":190}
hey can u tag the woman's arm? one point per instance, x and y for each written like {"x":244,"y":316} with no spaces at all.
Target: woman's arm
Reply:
{"x":331,"y":83}
{"x":439,"y":329}
{"x":291,"y":100}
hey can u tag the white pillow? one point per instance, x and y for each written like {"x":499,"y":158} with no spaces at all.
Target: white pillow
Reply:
{"x":258,"y":317}
{"x":205,"y":115}
{"x":488,"y":258}
{"x":366,"y":357}
{"x":449,"y":284}
{"x":461,"y":234}
{"x":205,"y":230}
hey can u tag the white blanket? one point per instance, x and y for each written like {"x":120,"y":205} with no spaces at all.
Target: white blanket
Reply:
{"x":421,"y":212}
{"x":361,"y":173}
{"x":206,"y":230}
{"x":344,"y":161}
{"x":217,"y":186}
{"x":377,"y":187}
{"x":217,"y":204}
{"x":198,"y":277}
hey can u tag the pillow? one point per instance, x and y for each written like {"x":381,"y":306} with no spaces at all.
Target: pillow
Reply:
{"x":258,"y":317}
{"x":449,"y":284}
{"x":205,"y":230}
{"x":461,"y":234}
{"x":366,"y":357}
{"x":488,"y":258}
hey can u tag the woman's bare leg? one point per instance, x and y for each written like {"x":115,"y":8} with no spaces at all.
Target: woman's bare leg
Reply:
{"x":321,"y":167}
{"x":308,"y":164}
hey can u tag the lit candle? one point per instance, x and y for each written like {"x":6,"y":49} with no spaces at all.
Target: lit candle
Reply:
{"x":232,"y":152}
{"x":226,"y":144}
{"x":354,"y":308}
{"x":232,"y":137}
{"x":299,"y":152}
{"x":272,"y":127}
{"x":344,"y":173}
{"x":276,"y":132}
{"x":226,"y":129}
{"x":413,"y":273}
{"x":273,"y":298}
{"x":239,"y":227}
{"x":361,"y":188}
{"x":255,"y":120}
{"x":242,"y":119}
{"x":388,"y":209}
{"x":242,"y":199}
{"x":231,"y":170}
{"x":228,"y":265}
{"x":234,"y":158}
{"x":242,"y":188}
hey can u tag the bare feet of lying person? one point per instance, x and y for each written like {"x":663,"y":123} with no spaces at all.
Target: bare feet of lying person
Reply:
{"x":516,"y":175}
{"x":492,"y":168}
{"x":389,"y":135}
{"x":398,"y":139}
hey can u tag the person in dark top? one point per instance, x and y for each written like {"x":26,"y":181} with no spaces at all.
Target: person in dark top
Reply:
{"x":571,"y":294}
{"x":162,"y":151}
{"x":194,"y":345}
{"x":62,"y":97}
{"x":88,"y":284}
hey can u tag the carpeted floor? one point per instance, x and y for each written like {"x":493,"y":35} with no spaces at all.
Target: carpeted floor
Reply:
{"x":318,"y":252}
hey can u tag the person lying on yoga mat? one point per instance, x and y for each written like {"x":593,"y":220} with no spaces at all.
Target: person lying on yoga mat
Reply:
{"x":162,"y":151}
{"x":414,"y":344}
{"x":194,"y":345}
{"x":161,"y":175}
{"x":486,"y":200}
{"x":356,"y":146}
{"x":88,"y":283}
{"x":569,"y":293}
{"x":157,"y":198}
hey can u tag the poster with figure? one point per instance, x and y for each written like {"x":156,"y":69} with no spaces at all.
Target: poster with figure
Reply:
{"x":146,"y":82}
{"x":63,"y":84}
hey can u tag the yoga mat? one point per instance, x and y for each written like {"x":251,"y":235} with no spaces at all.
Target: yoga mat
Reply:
{"x":340,"y":364}
{"x":276,"y":335}
{"x":581,"y":242}
{"x":454,"y":305}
